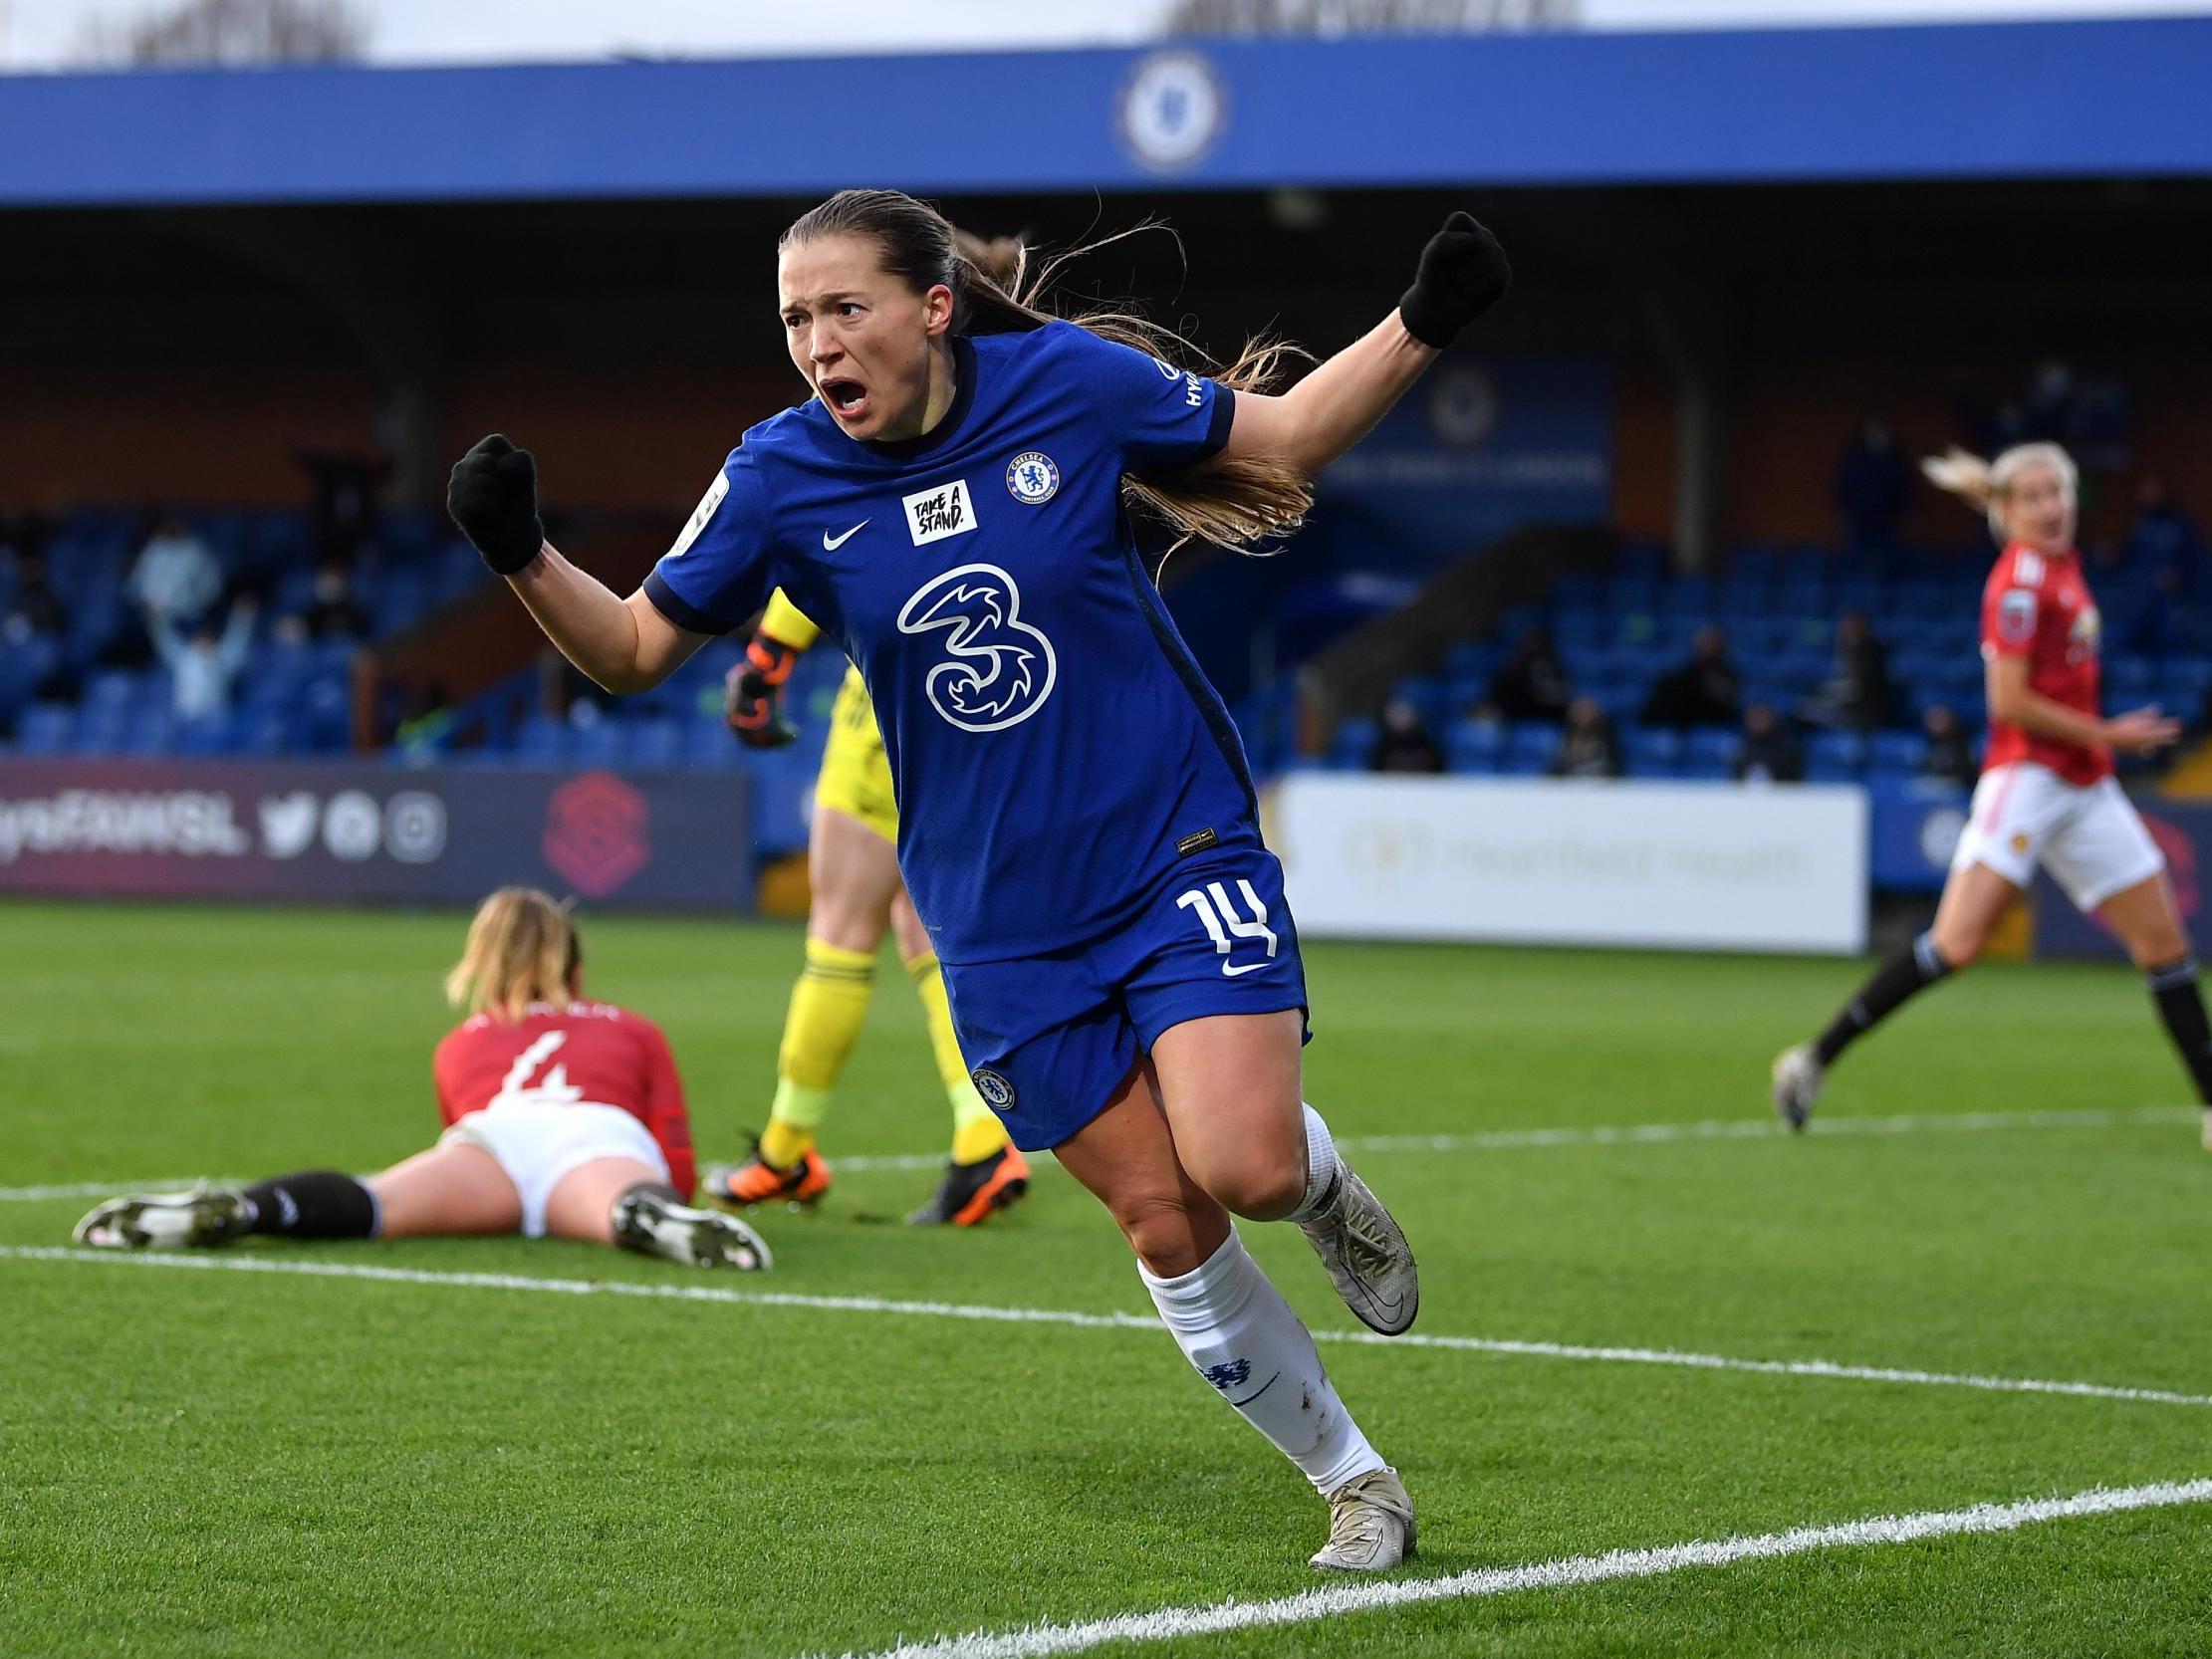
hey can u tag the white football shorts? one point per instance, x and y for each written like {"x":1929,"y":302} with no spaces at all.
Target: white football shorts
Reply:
{"x":2092,"y":840}
{"x":539,"y":1142}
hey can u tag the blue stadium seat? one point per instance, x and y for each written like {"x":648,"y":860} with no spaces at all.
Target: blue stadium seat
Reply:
{"x":114,"y":688}
{"x":656,"y":745}
{"x":1645,"y":557}
{"x":1426,"y":693}
{"x":1651,"y":751}
{"x":261,"y":731}
{"x":149,"y":732}
{"x":209,"y":735}
{"x":1752,"y":566}
{"x":1578,"y":591}
{"x":1352,"y":747}
{"x":1472,"y":659}
{"x":709,"y":747}
{"x":2185,"y":686}
{"x":1897,"y":752}
{"x":543,"y":740}
{"x":1475,"y":745}
{"x":1531,"y":747}
{"x":1574,"y":630}
{"x":1705,"y":746}
{"x":2131,"y":677}
{"x":598,"y":744}
{"x":46,"y":728}
{"x":1834,"y":756}
{"x":1629,"y":595}
{"x":1799,"y":598}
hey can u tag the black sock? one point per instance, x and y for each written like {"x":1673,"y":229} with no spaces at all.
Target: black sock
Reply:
{"x":2181,"y":1005}
{"x":1899,"y":978}
{"x":313,"y":1204}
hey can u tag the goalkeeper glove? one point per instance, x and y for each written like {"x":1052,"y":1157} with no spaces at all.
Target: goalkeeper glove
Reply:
{"x":753,"y":694}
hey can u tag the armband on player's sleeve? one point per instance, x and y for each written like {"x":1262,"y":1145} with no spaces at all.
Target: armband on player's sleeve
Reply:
{"x":787,"y":623}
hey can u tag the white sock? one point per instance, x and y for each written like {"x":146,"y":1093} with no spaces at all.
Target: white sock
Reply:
{"x":1320,"y":1169}
{"x":1234,"y":1325}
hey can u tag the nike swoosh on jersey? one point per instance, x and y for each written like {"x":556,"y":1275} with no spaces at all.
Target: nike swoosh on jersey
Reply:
{"x":1248,"y":968}
{"x":830,"y":544}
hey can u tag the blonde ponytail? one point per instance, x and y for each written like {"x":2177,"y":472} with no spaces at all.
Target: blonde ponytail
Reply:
{"x":522,"y":949}
{"x":1985,"y":485}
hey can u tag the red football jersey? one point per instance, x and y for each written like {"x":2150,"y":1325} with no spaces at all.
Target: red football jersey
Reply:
{"x":2039,"y":608}
{"x":580,"y":1053}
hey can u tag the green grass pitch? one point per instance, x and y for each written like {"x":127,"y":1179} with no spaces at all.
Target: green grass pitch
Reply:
{"x":237,"y":1463}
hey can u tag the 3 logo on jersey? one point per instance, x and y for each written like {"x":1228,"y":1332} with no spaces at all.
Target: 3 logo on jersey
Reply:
{"x":998,"y":670}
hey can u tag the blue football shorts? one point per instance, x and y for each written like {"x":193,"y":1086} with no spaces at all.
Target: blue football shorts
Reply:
{"x":1050,"y":1037}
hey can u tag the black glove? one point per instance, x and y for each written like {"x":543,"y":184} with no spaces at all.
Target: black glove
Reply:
{"x":753,"y":694}
{"x":493,"y":497}
{"x":1463,"y":273}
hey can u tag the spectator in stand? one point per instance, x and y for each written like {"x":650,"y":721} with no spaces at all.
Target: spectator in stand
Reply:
{"x":1768,"y":751}
{"x":204,"y":663}
{"x":2162,"y":536}
{"x":1403,"y":744}
{"x":176,"y":580}
{"x":332,"y":612}
{"x":1950,"y":757}
{"x":1872,"y":487}
{"x":1588,"y":748}
{"x":1531,"y":686}
{"x":34,"y":609}
{"x":1702,"y":692}
{"x":1855,"y":696}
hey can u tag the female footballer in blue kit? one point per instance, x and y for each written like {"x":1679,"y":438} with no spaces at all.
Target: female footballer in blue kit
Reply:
{"x":1076,"y":823}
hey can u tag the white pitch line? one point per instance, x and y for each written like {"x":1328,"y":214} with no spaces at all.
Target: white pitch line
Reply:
{"x":105,"y":1189}
{"x":1719,"y":1128}
{"x":1043,"y":1641}
{"x":1827,"y":1369}
{"x":1474,"y":1140}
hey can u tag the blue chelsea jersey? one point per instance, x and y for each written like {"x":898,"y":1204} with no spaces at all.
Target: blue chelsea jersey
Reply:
{"x":1056,"y":749}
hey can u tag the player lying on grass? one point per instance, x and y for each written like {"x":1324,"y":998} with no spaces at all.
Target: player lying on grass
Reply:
{"x":1078,"y":828}
{"x":564,"y":1116}
{"x":852,"y":865}
{"x":2047,"y":794}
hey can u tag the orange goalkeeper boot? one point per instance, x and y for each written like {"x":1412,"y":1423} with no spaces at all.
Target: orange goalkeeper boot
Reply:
{"x":970,"y":1192}
{"x":757,"y":1181}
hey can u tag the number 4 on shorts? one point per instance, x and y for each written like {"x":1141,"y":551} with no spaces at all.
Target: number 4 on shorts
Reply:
{"x":1222,"y":919}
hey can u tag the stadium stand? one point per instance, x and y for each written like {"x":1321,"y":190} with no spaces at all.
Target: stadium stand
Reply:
{"x":90,"y":688}
{"x":1778,"y":610}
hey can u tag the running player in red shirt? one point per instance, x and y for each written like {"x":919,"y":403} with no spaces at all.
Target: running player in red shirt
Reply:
{"x":2047,"y":794}
{"x":562,"y":1117}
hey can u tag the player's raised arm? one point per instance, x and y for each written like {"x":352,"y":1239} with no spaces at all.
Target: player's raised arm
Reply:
{"x":624,"y":645}
{"x":1462,"y":273}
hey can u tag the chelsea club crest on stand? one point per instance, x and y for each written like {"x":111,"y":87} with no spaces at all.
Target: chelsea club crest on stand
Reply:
{"x":1032,"y":477}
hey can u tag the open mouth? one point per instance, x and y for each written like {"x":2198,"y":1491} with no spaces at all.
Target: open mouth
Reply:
{"x":846,"y":399}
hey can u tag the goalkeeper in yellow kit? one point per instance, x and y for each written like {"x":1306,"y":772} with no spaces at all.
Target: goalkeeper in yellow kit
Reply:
{"x":853,"y":866}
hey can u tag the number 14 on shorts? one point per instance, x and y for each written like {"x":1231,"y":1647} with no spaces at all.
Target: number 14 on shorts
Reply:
{"x":1225,"y":923}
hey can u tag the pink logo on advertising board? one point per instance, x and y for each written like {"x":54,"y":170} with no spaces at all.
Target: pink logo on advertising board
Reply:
{"x":595,"y":832}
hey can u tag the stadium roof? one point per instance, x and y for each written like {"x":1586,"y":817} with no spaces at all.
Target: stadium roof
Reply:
{"x":1926,"y":103}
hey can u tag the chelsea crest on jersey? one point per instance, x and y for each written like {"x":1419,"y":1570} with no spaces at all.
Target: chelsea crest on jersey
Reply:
{"x":1051,"y":736}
